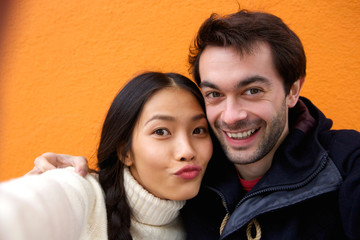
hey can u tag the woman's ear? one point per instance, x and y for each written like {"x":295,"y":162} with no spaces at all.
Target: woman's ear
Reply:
{"x":127,"y":160}
{"x":294,"y":93}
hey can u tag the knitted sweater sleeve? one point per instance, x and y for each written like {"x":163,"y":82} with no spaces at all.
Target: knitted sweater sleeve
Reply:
{"x":58,"y":204}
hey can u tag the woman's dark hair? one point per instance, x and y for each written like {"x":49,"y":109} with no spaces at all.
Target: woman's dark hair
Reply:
{"x":116,"y":138}
{"x":243,"y":30}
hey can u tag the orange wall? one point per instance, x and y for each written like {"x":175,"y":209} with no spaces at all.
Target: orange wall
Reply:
{"x":62,"y":62}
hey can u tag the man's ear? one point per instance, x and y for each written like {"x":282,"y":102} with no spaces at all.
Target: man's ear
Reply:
{"x":127,"y":160}
{"x":294,"y":92}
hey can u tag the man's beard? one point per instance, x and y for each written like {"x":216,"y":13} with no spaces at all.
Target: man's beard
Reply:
{"x":267,"y":143}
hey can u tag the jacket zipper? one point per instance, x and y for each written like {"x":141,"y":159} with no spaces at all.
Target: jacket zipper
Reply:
{"x":292,"y":187}
{"x":324,"y":160}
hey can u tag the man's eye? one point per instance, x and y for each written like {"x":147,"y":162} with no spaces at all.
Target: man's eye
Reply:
{"x":252,"y":91}
{"x":161,"y":132}
{"x":213,"y":94}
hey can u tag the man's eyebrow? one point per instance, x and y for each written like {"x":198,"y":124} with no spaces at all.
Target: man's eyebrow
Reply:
{"x":208,"y":84}
{"x":253,"y":79}
{"x":240,"y":84}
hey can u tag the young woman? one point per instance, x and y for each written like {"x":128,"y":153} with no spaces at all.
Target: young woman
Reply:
{"x":153,"y":152}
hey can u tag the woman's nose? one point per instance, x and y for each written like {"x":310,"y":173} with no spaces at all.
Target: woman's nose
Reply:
{"x":185,"y":151}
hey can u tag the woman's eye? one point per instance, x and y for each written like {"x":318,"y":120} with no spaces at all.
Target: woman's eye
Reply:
{"x":161,"y":132}
{"x":199,"y":131}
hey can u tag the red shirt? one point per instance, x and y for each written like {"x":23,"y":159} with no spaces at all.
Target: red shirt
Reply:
{"x":248,"y":184}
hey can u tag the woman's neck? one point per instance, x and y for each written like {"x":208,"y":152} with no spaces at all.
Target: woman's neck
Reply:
{"x":145,"y":207}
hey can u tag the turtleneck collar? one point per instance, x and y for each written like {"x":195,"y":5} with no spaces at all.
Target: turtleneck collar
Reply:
{"x":145,"y":207}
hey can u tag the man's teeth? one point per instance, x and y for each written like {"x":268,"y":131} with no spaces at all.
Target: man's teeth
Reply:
{"x":241,"y":135}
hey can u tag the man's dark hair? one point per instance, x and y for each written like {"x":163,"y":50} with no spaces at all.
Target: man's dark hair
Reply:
{"x":243,"y":31}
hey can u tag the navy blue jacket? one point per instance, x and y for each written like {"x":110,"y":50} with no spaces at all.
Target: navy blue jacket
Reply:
{"x":311,"y":191}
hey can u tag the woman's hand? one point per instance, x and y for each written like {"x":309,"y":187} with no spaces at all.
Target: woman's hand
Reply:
{"x":49,"y":160}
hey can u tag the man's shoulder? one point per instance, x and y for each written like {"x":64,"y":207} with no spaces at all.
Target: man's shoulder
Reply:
{"x":343,"y":148}
{"x":342,"y":137}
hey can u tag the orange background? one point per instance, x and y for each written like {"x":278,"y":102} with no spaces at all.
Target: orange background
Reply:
{"x":62,"y":62}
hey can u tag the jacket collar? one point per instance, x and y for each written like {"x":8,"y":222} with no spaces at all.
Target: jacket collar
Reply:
{"x":221,"y":176}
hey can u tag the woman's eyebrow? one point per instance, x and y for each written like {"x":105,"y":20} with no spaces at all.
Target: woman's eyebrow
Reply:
{"x":171,"y":119}
{"x":198,"y":117}
{"x":160,"y":117}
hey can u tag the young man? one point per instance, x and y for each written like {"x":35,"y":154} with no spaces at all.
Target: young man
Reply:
{"x":281,"y":173}
{"x":289,"y":175}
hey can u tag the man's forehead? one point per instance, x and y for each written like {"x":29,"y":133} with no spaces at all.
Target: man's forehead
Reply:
{"x":243,"y":51}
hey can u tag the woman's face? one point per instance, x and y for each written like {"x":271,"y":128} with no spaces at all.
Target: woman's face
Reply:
{"x":171,"y":145}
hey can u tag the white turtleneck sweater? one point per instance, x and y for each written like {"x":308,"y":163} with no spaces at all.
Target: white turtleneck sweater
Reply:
{"x":59,"y":204}
{"x":152,"y":217}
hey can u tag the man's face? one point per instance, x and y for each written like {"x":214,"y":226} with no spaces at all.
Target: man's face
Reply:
{"x":245,"y":101}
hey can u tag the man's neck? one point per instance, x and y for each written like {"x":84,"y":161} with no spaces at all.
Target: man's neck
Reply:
{"x":254,"y":170}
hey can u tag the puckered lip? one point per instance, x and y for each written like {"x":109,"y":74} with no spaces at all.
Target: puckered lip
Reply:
{"x":188,"y":168}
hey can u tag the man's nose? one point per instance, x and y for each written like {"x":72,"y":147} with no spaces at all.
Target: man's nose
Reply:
{"x":233,"y":112}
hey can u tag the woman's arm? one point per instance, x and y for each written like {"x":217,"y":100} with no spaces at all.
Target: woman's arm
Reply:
{"x":58,"y":204}
{"x":48,"y":161}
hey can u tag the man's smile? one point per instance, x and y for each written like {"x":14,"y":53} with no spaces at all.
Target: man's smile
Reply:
{"x":241,"y":135}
